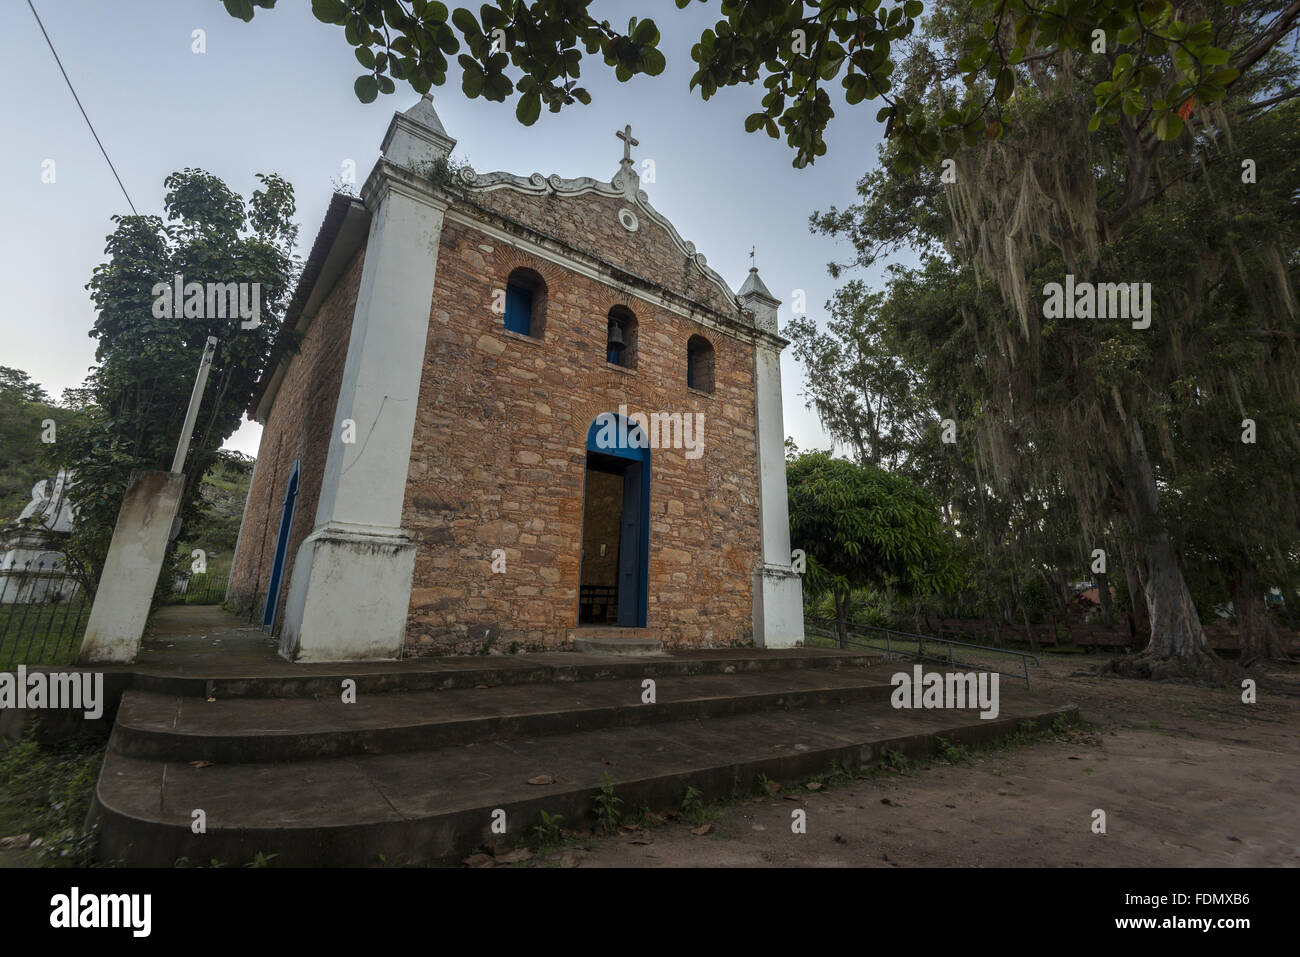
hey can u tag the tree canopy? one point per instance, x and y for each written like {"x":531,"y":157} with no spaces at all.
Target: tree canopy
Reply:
{"x":533,"y":50}
{"x":137,"y":393}
{"x":861,"y":526}
{"x":1136,"y":428}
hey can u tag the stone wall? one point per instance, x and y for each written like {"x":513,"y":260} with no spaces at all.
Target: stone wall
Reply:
{"x":298,"y":428}
{"x":499,"y":453}
{"x":589,"y":223}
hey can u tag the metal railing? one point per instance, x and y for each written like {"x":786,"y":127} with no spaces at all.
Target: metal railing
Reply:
{"x":894,"y":642}
{"x":43,"y":614}
{"x":202,"y":589}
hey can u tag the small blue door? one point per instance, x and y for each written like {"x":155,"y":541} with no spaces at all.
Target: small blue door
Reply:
{"x":281,"y":548}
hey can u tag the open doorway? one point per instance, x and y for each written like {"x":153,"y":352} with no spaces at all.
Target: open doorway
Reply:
{"x":615,"y":540}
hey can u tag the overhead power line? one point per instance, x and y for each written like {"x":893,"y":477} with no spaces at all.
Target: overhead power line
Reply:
{"x":80,"y":107}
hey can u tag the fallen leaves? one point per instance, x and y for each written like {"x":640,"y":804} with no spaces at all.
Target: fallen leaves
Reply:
{"x":515,"y":857}
{"x":542,"y":779}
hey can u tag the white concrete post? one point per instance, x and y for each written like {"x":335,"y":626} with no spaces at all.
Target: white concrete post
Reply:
{"x":778,"y":590}
{"x":135,"y":556}
{"x":351,"y":585}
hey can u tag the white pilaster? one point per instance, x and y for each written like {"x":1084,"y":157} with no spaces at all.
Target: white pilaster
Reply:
{"x":351,"y":586}
{"x":778,"y":590}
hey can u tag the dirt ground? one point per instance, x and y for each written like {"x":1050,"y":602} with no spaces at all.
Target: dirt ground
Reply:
{"x":1187,"y":777}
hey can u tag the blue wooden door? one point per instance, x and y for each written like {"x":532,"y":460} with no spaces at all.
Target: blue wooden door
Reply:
{"x":281,"y":548}
{"x":630,"y":584}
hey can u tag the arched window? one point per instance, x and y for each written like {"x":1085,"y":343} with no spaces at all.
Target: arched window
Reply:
{"x":699,"y":364}
{"x":620,"y":337}
{"x":525,"y":303}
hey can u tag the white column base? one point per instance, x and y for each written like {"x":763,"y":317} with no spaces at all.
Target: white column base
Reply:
{"x":349,"y":596}
{"x":778,"y":607}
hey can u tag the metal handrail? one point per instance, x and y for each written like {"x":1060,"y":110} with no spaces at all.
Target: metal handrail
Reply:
{"x":920,"y":654}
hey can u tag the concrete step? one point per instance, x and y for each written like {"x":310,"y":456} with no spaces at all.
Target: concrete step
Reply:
{"x":288,"y":680}
{"x":436,"y":806}
{"x":181,"y":729}
{"x":610,"y":645}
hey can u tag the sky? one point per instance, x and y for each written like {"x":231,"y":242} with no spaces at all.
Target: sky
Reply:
{"x":275,"y":95}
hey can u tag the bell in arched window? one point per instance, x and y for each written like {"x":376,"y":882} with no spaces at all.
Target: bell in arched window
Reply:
{"x":616,"y":341}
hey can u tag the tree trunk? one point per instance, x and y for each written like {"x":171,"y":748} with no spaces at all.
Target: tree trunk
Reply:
{"x":842,"y":619}
{"x":1103,"y":596}
{"x":1029,"y":630}
{"x":1175,"y":627}
{"x":1259,"y":638}
{"x":1139,"y":621}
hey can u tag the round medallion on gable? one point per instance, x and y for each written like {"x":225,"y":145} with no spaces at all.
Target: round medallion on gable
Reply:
{"x":627,"y":219}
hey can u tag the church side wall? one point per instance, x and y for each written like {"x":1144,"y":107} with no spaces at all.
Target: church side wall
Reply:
{"x":499,"y":455}
{"x":298,"y":428}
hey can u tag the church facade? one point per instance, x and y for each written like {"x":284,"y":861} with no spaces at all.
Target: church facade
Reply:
{"x":509,"y":412}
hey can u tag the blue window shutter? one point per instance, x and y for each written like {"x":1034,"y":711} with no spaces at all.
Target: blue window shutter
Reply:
{"x":519,"y":310}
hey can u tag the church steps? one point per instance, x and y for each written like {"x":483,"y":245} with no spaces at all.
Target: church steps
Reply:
{"x":164,"y":727}
{"x":282,"y":679}
{"x":436,"y":806}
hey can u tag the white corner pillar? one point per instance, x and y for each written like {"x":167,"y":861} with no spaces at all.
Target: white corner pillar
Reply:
{"x":350,"y":591}
{"x":778,"y":590}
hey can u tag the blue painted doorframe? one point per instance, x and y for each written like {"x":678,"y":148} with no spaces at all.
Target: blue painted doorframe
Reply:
{"x":281,"y":547}
{"x":634,"y":540}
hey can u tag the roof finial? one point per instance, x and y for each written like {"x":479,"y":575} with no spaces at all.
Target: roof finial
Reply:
{"x":625,"y":134}
{"x":753,"y":265}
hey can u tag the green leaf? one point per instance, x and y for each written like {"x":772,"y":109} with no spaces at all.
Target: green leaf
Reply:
{"x":328,"y":11}
{"x":1005,"y":85}
{"x":528,"y":109}
{"x":1168,"y":126}
{"x":653,"y":63}
{"x":471,"y":80}
{"x":464,"y":21}
{"x":242,"y":9}
{"x":366,"y":88}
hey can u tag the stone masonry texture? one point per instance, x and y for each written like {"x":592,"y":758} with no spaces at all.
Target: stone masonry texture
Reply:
{"x":498,"y":458}
{"x":499,"y":455}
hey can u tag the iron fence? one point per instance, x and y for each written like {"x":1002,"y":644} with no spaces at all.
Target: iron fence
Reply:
{"x":906,"y":644}
{"x":201,"y":589}
{"x":43,"y":613}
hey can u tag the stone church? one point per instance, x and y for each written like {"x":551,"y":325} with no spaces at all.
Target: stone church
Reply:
{"x":515,"y":413}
